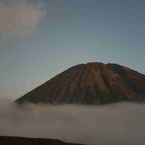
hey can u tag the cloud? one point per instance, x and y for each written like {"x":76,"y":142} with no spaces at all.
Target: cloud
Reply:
{"x":110,"y":124}
{"x":20,"y":17}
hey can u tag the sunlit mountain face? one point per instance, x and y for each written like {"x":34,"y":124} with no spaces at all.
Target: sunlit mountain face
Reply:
{"x":92,"y":83}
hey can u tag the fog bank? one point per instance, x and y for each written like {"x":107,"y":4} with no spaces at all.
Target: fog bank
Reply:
{"x":115,"y":124}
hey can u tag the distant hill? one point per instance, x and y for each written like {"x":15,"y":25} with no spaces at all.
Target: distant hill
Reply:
{"x":92,"y":83}
{"x":31,"y":141}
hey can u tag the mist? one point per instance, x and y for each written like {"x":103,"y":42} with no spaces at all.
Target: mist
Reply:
{"x":115,"y":124}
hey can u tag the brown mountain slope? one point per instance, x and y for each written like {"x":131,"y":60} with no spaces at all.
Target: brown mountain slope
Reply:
{"x":92,"y":83}
{"x":31,"y":141}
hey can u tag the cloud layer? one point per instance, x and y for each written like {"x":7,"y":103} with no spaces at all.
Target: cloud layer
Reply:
{"x":103,"y":125}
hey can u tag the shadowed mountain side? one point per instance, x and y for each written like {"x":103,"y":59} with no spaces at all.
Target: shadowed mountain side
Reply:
{"x":31,"y":141}
{"x":92,"y":83}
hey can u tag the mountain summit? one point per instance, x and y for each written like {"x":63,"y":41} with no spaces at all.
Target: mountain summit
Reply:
{"x":91,"y":83}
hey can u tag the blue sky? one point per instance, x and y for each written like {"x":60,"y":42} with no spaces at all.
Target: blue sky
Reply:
{"x":40,"y":38}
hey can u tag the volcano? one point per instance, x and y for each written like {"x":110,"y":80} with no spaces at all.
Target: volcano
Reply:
{"x":91,"y":83}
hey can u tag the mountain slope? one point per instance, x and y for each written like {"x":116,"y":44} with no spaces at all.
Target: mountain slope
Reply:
{"x":31,"y":141}
{"x":92,"y":83}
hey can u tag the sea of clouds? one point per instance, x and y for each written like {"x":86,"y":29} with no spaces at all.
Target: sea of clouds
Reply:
{"x":115,"y":124}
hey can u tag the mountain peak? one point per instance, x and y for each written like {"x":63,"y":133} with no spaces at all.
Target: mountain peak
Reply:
{"x":91,"y":83}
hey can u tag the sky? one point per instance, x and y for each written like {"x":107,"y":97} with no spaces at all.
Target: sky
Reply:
{"x":41,"y":38}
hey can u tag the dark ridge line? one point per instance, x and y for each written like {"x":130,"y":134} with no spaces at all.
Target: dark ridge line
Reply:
{"x":13,"y":140}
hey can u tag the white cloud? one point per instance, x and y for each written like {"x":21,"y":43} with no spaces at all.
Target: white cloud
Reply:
{"x":20,"y":17}
{"x":115,"y":124}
